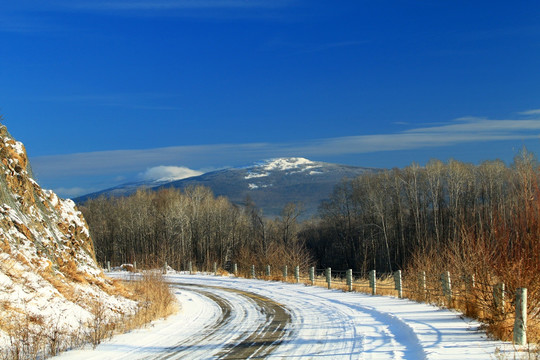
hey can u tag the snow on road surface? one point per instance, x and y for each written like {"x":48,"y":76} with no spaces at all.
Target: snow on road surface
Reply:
{"x":226,"y":317}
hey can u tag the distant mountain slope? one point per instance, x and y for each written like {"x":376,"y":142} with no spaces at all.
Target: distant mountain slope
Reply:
{"x":271,"y":184}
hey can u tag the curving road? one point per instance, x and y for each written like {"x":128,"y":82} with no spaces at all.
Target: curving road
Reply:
{"x":231,"y":318}
{"x":235,"y":333}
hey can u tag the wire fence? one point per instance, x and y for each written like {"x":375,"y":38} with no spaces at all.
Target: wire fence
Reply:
{"x":489,"y":301}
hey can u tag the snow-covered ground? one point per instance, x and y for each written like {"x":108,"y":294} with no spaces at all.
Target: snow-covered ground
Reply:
{"x":225,"y":317}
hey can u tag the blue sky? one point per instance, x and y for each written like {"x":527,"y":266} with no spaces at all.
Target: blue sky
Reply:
{"x":107,"y":91}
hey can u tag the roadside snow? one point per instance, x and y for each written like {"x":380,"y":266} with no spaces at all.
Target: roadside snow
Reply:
{"x":324,"y":324}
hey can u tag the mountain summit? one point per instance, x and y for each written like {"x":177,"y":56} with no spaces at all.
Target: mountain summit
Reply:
{"x":270,"y":184}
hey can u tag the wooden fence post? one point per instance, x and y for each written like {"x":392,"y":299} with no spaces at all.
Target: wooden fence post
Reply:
{"x":520,"y":324}
{"x":165,"y":268}
{"x":235,"y":269}
{"x":397,"y":283}
{"x":285,"y":273}
{"x":447,"y":286}
{"x":253,"y":272}
{"x":498,"y":297}
{"x":312,"y":275}
{"x":422,"y":285}
{"x":190,"y":267}
{"x":349,"y":280}
{"x":373,"y":281}
{"x":297,"y":273}
{"x":268,"y":270}
{"x":215,"y":268}
{"x":135,"y":266}
{"x":108,"y":266}
{"x":329,"y":277}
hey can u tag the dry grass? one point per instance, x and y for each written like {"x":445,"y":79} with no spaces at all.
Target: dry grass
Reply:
{"x":32,"y":338}
{"x":154,"y":297}
{"x":70,"y":270}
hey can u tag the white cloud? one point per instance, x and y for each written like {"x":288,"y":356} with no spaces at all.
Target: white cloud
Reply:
{"x":168,"y":173}
{"x":71,"y":192}
{"x":460,"y":131}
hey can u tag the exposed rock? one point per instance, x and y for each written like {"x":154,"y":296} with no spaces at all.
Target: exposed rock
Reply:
{"x":49,"y":279}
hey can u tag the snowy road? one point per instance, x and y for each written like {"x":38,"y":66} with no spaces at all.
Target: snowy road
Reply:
{"x":233,"y":318}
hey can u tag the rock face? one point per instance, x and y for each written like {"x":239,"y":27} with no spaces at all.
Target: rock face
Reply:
{"x":50,"y":282}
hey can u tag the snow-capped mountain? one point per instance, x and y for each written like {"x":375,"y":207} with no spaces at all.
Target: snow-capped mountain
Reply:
{"x":271,"y":184}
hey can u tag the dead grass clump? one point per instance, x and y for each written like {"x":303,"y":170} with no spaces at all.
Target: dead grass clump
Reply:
{"x":5,"y":247}
{"x":155,"y":299}
{"x":70,"y":270}
{"x":65,"y":289}
{"x":222,"y":272}
{"x":118,"y":288}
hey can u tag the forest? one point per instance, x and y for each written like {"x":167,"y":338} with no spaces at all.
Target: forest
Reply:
{"x":382,"y":220}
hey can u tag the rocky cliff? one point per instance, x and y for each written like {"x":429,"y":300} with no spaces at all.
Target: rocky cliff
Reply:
{"x":51,"y":289}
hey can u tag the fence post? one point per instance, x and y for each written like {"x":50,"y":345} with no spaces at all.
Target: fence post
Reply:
{"x":349,"y":279}
{"x":329,"y":277}
{"x":447,"y":286}
{"x":268,"y":270}
{"x":135,"y":266}
{"x":520,"y":324}
{"x":190,"y":267}
{"x":312,"y":275}
{"x":422,"y":284}
{"x":108,"y":266}
{"x":498,"y":297}
{"x":215,"y":268}
{"x":253,"y":272}
{"x":285,"y":273}
{"x":297,"y":273}
{"x":397,"y":283}
{"x":165,"y":268}
{"x":235,"y":269}
{"x":373,"y":282}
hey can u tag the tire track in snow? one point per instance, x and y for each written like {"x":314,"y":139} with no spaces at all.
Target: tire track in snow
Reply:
{"x":226,"y":318}
{"x":249,"y":326}
{"x":326,"y":326}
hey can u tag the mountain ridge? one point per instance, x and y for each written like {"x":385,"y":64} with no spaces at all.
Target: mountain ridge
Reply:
{"x":270,"y":184}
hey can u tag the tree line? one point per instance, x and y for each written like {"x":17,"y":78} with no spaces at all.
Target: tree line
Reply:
{"x":378,"y":220}
{"x":177,"y":227}
{"x":381,"y":220}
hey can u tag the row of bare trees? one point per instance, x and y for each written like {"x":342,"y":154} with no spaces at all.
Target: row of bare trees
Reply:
{"x":176,"y":227}
{"x":378,"y":220}
{"x":375,"y":221}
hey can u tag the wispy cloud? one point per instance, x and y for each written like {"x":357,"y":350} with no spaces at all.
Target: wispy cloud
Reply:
{"x":306,"y":48}
{"x":461,"y":131}
{"x":211,"y":9}
{"x":168,"y":173}
{"x":17,"y":23}
{"x":178,"y":4}
{"x":530,"y":112}
{"x":25,"y":16}
{"x":73,"y":192}
{"x":143,"y":101}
